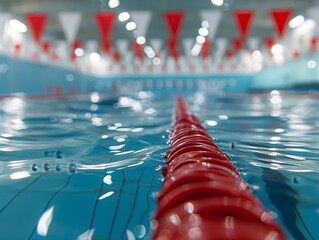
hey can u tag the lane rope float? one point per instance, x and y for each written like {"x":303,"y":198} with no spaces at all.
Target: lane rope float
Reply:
{"x":203,"y":196}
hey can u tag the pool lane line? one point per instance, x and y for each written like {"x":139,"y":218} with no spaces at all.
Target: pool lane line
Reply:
{"x":203,"y":190}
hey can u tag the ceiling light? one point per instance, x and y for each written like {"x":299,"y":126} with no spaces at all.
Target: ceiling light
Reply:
{"x":203,"y":31}
{"x":151,"y":54}
{"x":156,"y":61}
{"x":311,"y":64}
{"x":18,"y":26}
{"x":205,"y":24}
{"x":141,"y":40}
{"x":217,"y":2}
{"x":196,"y":50}
{"x":114,"y":3}
{"x":296,"y":21}
{"x":130,"y":26}
{"x":256,"y":54}
{"x":147,"y":49}
{"x":200,"y":39}
{"x":124,"y":16}
{"x":95,"y":57}
{"x":78,"y":52}
{"x":277,"y":49}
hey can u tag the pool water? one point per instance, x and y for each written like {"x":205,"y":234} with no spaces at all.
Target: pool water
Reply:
{"x":89,"y":167}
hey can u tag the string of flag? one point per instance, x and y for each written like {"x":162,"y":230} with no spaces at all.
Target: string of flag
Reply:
{"x":205,"y":53}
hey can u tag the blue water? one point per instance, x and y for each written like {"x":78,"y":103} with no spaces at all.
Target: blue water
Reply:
{"x":89,"y":167}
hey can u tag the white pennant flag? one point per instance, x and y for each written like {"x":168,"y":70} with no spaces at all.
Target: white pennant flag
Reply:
{"x":91,"y":46}
{"x":313,"y":13}
{"x":221,"y":45}
{"x":142,"y":20}
{"x":187,"y":45}
{"x":4,"y":17}
{"x":70,"y":22}
{"x":156,"y":44}
{"x":253,"y":43}
{"x":213,"y":18}
{"x":122,"y":45}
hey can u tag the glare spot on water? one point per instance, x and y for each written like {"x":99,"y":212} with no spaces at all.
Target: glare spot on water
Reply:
{"x":137,"y":130}
{"x":279,"y":130}
{"x":275,"y":138}
{"x":107,"y":179}
{"x":95,"y":97}
{"x":45,"y":221}
{"x":117,"y":147}
{"x":97,"y":121}
{"x":223,"y":117}
{"x":130,"y":235}
{"x":88,"y":235}
{"x":106,"y":195}
{"x":104,"y":136}
{"x":94,"y":107}
{"x":140,"y":231}
{"x":150,"y":111}
{"x":211,"y":123}
{"x":19,"y":175}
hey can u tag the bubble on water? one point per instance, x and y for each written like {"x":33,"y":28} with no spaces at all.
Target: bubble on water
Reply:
{"x":46,"y":167}
{"x":35,"y":168}
{"x":58,"y":167}
{"x":296,"y":179}
{"x":140,"y":231}
{"x":59,"y":154}
{"x":72,"y":168}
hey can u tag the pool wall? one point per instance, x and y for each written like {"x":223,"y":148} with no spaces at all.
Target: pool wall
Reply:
{"x":33,"y":78}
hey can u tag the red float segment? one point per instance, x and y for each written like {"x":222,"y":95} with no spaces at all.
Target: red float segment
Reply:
{"x":203,"y":196}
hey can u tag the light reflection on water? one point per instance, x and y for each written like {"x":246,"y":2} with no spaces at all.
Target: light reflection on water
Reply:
{"x":117,"y":144}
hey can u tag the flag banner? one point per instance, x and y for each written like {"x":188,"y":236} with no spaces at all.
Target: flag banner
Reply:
{"x":37,"y":22}
{"x":142,"y":20}
{"x":280,"y":19}
{"x":70,"y":23}
{"x":4,"y":18}
{"x":213,"y":17}
{"x":174,"y":21}
{"x":243,"y":19}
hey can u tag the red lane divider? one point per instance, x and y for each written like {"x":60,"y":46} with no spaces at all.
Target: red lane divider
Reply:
{"x":203,"y":196}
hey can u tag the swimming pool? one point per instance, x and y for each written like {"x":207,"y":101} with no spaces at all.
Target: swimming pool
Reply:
{"x":90,"y":166}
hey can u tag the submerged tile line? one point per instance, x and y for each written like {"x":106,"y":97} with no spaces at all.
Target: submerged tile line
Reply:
{"x":50,"y":200}
{"x":95,"y":205}
{"x":116,"y":207}
{"x":133,"y":207}
{"x":20,"y":192}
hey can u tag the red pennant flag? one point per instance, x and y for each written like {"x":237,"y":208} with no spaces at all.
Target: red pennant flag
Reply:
{"x":105,"y":21}
{"x":117,"y":56}
{"x":46,"y":46}
{"x":76,"y":44}
{"x":238,"y":44}
{"x":37,"y":22}
{"x":296,"y":54}
{"x":313,"y":44}
{"x":269,"y":42}
{"x":229,"y":54}
{"x":138,"y":50}
{"x":107,"y":46}
{"x":172,"y":48}
{"x":281,"y":18}
{"x":174,"y":21}
{"x":205,"y":49}
{"x":243,"y":19}
{"x":17,"y":49}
